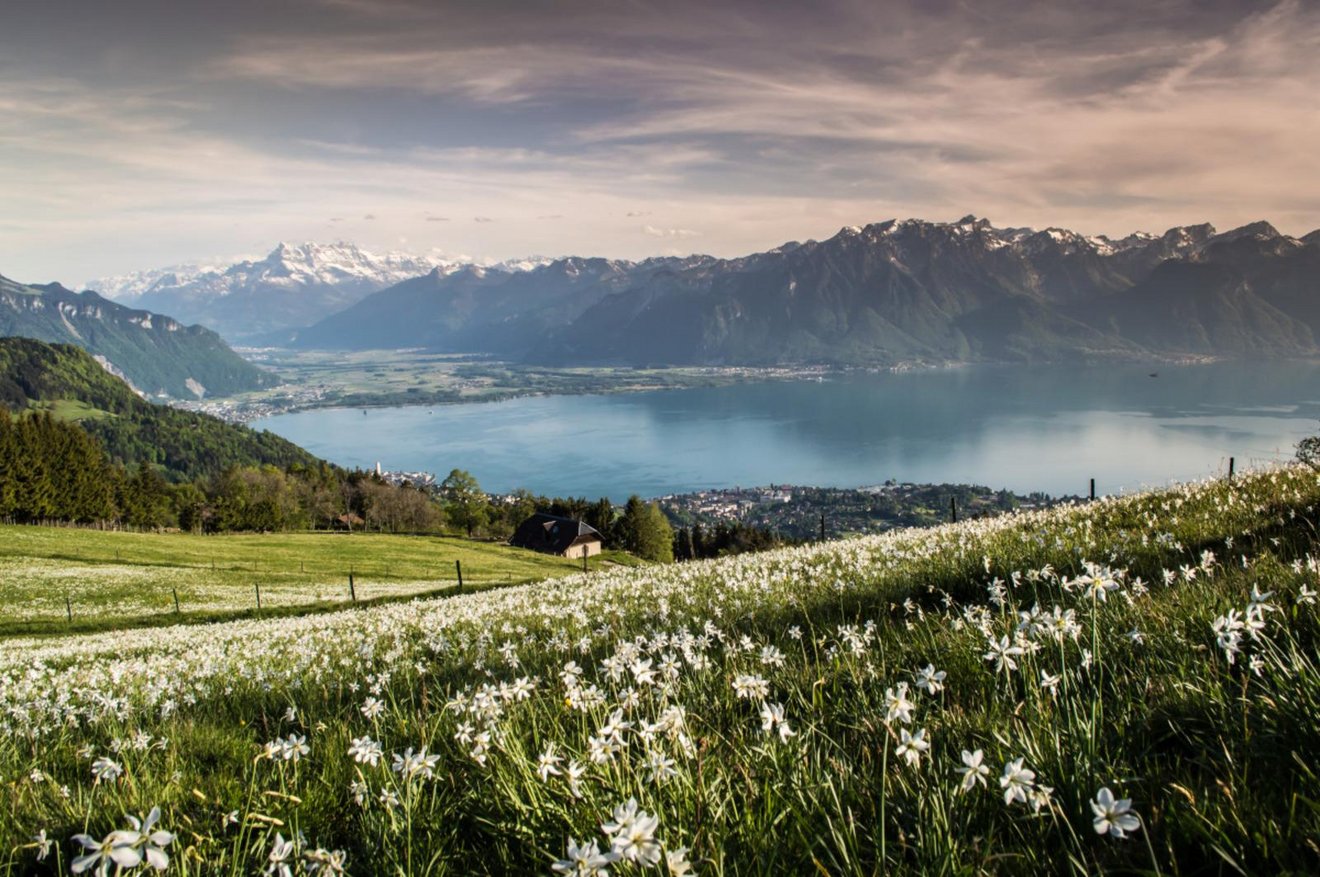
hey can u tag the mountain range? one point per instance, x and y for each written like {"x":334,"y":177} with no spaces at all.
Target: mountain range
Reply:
{"x":251,"y":301}
{"x":475,"y":309}
{"x":158,"y":355}
{"x":882,"y":294}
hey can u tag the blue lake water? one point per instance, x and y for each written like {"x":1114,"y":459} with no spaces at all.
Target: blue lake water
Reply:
{"x":1025,"y":429}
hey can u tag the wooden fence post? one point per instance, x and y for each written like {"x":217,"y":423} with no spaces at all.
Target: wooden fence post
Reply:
{"x":1092,"y":488}
{"x":68,"y":608}
{"x":352,"y":591}
{"x":1230,"y":467}
{"x":176,"y":600}
{"x":953,"y":510}
{"x":458,"y":565}
{"x":257,"y":585}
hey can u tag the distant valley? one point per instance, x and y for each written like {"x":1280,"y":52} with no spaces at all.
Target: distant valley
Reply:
{"x":890,"y":294}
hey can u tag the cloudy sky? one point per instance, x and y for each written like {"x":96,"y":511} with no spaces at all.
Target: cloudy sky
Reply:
{"x":141,"y":133}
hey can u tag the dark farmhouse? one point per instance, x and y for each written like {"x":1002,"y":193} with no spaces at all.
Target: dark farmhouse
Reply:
{"x":553,"y":535}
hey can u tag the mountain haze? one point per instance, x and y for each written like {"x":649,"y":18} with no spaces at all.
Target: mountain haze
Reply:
{"x":255,"y":301}
{"x":480,"y":309}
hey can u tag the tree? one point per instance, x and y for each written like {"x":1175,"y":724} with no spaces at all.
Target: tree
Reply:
{"x":1308,"y":451}
{"x":683,"y":545}
{"x":145,"y":499}
{"x":601,"y":516}
{"x":645,"y":531}
{"x":465,"y":504}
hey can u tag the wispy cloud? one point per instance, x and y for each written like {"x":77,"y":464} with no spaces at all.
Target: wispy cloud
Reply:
{"x":754,"y":122}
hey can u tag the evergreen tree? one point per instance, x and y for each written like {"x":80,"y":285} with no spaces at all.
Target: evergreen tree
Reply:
{"x":683,"y":544}
{"x":646,"y":531}
{"x":601,"y":516}
{"x":146,"y":500}
{"x":8,"y":464}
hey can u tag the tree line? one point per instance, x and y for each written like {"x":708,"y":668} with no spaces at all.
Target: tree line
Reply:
{"x":54,"y":471}
{"x":725,"y":538}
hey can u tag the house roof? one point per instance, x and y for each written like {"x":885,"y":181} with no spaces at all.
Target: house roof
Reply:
{"x":552,"y":534}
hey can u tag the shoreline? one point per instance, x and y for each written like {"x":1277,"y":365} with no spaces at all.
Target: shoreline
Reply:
{"x":455,"y":380}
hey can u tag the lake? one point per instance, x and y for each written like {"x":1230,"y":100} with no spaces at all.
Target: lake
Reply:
{"x":1045,"y":428}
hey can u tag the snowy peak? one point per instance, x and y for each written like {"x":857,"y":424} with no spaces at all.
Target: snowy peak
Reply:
{"x":292,"y":267}
{"x":294,"y":285}
{"x":296,"y":266}
{"x":979,"y":235}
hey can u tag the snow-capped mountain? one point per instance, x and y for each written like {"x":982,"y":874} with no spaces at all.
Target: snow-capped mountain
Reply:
{"x":891,"y":292}
{"x":293,"y":286}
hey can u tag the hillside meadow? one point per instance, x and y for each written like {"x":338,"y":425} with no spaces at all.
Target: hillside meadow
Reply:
{"x":115,"y":577}
{"x":1127,"y":686}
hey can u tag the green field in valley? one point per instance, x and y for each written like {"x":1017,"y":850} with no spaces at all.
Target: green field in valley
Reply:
{"x":120,"y":577}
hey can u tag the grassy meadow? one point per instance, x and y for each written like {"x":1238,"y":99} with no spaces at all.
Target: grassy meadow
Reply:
{"x":1127,"y":686}
{"x":116,"y":577}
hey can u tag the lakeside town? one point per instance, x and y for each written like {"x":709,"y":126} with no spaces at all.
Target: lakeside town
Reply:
{"x":802,"y":513}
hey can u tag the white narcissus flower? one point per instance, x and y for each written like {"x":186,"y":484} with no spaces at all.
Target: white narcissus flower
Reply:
{"x":412,"y":765}
{"x":1113,"y":816}
{"x":42,"y":844}
{"x":584,"y":860}
{"x":930,"y":680}
{"x":278,"y":863}
{"x":751,"y":687}
{"x":547,"y":763}
{"x":1016,"y":781}
{"x":911,"y":746}
{"x":575,"y":773}
{"x":104,"y":769}
{"x":153,"y":842}
{"x":772,"y":718}
{"x":973,"y":771}
{"x":897,"y":705}
{"x":364,"y":750}
{"x":321,"y":861}
{"x":677,"y":864}
{"x":636,"y":841}
{"x":118,"y":848}
{"x":1002,"y":652}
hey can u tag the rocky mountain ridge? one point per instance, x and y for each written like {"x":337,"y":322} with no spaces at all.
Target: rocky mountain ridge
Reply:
{"x":889,"y":292}
{"x":156,"y":354}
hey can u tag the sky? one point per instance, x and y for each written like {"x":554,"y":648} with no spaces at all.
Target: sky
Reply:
{"x":144,"y":133}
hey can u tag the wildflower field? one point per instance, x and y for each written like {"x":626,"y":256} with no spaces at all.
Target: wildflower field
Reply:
{"x":113,"y":576}
{"x":1128,"y":686}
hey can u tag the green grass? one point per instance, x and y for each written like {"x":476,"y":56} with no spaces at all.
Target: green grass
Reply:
{"x":70,"y":409}
{"x":1216,"y":747}
{"x":129,"y":579}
